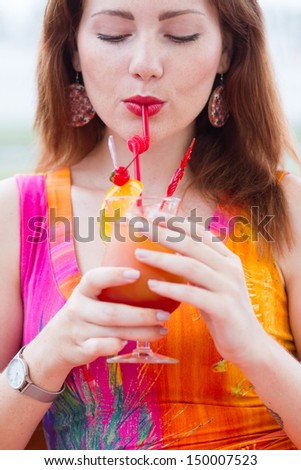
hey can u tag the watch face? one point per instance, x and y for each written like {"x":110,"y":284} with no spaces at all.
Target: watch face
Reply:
{"x":16,"y":373}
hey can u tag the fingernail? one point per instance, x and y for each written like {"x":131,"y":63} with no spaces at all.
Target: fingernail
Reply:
{"x":153,"y":284}
{"x":131,"y":274}
{"x":142,"y":254}
{"x":163,"y":331}
{"x":163,"y":316}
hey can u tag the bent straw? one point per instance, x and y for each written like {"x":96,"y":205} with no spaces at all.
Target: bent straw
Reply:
{"x":139,"y":145}
{"x":142,"y":144}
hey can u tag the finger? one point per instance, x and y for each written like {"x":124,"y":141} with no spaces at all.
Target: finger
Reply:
{"x":120,"y":315}
{"x":97,"y":279}
{"x":198,"y":250}
{"x":189,"y":268}
{"x":205,"y":300}
{"x":177,"y":227}
{"x":98,"y":347}
{"x":126,"y":334}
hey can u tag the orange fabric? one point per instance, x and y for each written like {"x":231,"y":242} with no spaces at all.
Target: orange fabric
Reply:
{"x":280,"y":175}
{"x":61,"y":230}
{"x":231,"y":415}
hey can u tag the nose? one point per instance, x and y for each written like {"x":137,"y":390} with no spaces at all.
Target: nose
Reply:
{"x":146,"y":61}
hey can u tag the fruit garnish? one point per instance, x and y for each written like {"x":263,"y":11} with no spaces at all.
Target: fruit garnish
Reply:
{"x":118,"y":207}
{"x":120,"y":176}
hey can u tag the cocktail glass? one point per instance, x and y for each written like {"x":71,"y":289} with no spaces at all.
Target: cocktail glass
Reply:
{"x":126,"y":219}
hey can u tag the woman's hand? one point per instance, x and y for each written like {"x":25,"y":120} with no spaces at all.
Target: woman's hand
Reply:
{"x":86,"y":328}
{"x":216,"y":285}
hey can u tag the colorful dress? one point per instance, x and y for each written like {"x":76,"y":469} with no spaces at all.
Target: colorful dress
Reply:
{"x":204,"y":402}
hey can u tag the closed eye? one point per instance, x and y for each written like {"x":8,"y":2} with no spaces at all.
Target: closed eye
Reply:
{"x":123,"y":37}
{"x":113,"y":39}
{"x":183,"y":39}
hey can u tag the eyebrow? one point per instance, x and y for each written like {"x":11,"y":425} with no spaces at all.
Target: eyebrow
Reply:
{"x":121,"y":13}
{"x":162,"y":17}
{"x":173,"y":13}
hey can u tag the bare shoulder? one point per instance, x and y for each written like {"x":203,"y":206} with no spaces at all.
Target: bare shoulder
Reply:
{"x":291,"y":185}
{"x":8,"y":194}
{"x":9,"y":215}
{"x":11,"y":312}
{"x":290,"y":261}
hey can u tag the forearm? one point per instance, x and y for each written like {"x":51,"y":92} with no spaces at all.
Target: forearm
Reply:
{"x":277,"y":380}
{"x":19,"y":413}
{"x":19,"y":416}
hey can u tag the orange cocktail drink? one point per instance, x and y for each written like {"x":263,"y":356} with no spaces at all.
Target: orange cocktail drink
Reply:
{"x":126,"y":235}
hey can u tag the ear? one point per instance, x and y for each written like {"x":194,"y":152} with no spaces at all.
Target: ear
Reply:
{"x":226,"y":56}
{"x":76,"y":61}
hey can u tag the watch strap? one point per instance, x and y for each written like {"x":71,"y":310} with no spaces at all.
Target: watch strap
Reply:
{"x":34,"y":391}
{"x":40,"y":394}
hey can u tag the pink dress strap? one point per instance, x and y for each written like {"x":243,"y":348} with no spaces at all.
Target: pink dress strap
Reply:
{"x":35,"y":264}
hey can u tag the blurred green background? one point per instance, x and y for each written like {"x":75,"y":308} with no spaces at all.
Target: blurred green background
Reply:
{"x":20,"y":26}
{"x":18,"y":152}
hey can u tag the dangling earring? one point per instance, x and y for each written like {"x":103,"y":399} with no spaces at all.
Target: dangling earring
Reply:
{"x":218,"y":111}
{"x":81,"y":109}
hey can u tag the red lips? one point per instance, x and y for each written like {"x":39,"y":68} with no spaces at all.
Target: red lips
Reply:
{"x":135,"y":103}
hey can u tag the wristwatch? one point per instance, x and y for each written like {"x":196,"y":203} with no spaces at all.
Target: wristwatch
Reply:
{"x":18,"y":378}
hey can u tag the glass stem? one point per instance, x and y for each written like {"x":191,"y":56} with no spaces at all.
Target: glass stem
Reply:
{"x":143,"y":345}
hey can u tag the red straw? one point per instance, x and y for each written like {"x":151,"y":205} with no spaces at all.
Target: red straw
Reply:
{"x":139,"y":145}
{"x":180,"y":171}
{"x":137,"y":167}
{"x":145,"y":125}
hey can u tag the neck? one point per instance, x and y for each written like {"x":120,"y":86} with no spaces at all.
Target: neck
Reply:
{"x":158,"y":164}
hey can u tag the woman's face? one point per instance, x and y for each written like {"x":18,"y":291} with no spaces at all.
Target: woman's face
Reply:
{"x":166,"y":50}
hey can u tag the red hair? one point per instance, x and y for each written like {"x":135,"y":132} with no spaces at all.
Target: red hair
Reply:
{"x":239,"y":160}
{"x":61,"y":144}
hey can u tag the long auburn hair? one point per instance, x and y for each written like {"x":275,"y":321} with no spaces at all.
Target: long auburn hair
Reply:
{"x":239,"y":160}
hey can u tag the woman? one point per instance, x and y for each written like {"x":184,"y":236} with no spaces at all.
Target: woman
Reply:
{"x":237,"y":331}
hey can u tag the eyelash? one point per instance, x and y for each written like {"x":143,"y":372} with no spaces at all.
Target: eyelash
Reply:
{"x":113,"y":39}
{"x":183,"y":39}
{"x":123,"y":37}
